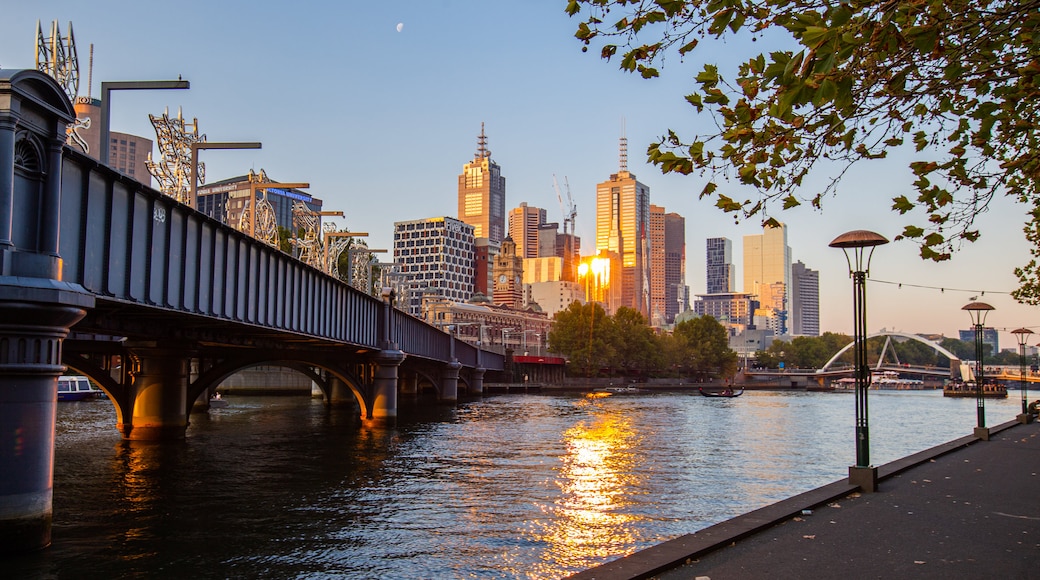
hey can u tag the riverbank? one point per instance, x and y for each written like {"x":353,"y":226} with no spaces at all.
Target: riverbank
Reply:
{"x":926,"y":520}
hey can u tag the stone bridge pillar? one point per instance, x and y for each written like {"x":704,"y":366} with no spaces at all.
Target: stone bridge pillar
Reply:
{"x":450,"y":381}
{"x":384,"y":384}
{"x":157,"y":394}
{"x":477,"y":380}
{"x":37,"y":308}
{"x":340,"y":393}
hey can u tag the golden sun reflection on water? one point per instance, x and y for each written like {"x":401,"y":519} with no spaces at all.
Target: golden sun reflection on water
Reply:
{"x":587,"y":521}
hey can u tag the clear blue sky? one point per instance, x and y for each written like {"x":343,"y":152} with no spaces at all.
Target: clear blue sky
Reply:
{"x":380,"y":122}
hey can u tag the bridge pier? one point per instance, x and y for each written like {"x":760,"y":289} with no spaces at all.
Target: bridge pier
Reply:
{"x":37,"y":308}
{"x":340,"y":393}
{"x":384,"y":384}
{"x":450,"y":381}
{"x":157,"y":394}
{"x":477,"y":380}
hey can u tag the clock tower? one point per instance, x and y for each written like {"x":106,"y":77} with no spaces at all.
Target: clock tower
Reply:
{"x":508,"y":276}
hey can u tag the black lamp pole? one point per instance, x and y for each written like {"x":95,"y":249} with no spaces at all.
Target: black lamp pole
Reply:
{"x":1022,"y":335}
{"x":859,"y":241}
{"x":978,"y":312}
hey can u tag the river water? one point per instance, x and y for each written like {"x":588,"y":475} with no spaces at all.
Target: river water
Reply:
{"x":507,"y":486}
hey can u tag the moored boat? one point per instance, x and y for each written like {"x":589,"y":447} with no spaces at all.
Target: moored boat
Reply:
{"x":76,"y":388}
{"x":967,"y":389}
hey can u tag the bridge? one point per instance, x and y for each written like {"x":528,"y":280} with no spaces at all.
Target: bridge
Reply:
{"x":158,"y":303}
{"x":832,"y":369}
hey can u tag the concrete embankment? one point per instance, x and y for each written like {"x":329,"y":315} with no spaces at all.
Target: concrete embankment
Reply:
{"x":965,"y":509}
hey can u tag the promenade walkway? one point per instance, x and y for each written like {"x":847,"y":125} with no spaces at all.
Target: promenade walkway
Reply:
{"x":966,"y":509}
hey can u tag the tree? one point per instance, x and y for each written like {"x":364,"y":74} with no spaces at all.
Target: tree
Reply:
{"x":957,"y":80}
{"x":583,"y":334}
{"x":635,"y":344}
{"x":707,"y":347}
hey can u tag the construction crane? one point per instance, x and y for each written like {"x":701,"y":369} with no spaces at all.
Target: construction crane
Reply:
{"x":570,"y":212}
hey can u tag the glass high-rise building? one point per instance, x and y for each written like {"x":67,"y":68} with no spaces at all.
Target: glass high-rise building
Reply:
{"x":622,"y":228}
{"x":524,"y":224}
{"x":482,"y":194}
{"x":767,"y":274}
{"x":667,"y":265}
{"x":721,"y":273}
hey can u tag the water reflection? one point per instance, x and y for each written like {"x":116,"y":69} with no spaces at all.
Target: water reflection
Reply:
{"x":597,"y":477}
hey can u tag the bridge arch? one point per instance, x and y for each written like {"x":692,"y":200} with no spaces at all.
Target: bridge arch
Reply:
{"x":930,"y":343}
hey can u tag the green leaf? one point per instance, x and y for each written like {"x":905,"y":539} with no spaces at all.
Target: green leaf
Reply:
{"x":790,"y":201}
{"x":901,"y":204}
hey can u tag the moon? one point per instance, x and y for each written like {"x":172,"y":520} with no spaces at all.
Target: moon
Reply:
{"x":400,"y":26}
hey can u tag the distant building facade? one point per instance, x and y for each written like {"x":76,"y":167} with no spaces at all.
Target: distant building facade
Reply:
{"x":734,"y":310}
{"x":225,"y":201}
{"x":126,"y":153}
{"x":435,"y":254}
{"x":721,"y":273}
{"x":805,"y":301}
{"x":524,"y":224}
{"x":990,"y":336}
{"x":508,"y":276}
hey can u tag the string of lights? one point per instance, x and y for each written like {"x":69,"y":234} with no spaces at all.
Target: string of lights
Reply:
{"x":942,"y":289}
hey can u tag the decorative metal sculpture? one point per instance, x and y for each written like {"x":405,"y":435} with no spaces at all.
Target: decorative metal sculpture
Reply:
{"x":173,"y":170}
{"x":319,"y":246}
{"x":56,"y":56}
{"x":266,"y":222}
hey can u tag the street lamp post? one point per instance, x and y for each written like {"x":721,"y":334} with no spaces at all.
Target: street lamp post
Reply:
{"x":106,"y":105}
{"x":1023,"y":334}
{"x":855,"y":245}
{"x":978,"y":312}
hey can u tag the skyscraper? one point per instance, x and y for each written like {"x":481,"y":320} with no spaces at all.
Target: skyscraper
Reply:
{"x":721,"y":272}
{"x":622,"y":224}
{"x":657,"y":261}
{"x":482,"y":194}
{"x":675,"y":294}
{"x":524,"y":224}
{"x":767,"y":274}
{"x":805,"y":300}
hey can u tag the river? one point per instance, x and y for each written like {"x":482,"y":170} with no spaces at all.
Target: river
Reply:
{"x":507,"y":486}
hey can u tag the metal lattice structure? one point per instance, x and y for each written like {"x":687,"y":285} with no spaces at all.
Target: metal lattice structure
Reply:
{"x":56,"y":57}
{"x":320,"y":246}
{"x":266,"y":221}
{"x":173,"y":170}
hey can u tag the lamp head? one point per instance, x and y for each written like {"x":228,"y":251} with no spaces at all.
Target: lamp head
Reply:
{"x":858,"y":241}
{"x":1022,"y":335}
{"x":978,"y":312}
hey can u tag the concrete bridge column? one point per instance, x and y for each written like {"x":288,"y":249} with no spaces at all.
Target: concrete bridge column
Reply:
{"x":340,"y":393}
{"x":384,"y":385}
{"x":158,"y":394}
{"x":477,"y":380}
{"x":450,"y":381}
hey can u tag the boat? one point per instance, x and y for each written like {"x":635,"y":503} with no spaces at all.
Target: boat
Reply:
{"x":727,"y":392}
{"x":892,"y":380}
{"x":76,"y":388}
{"x":967,"y":389}
{"x":216,"y":402}
{"x":618,"y":390}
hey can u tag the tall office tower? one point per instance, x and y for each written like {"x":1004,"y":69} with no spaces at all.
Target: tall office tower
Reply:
{"x":622,"y":221}
{"x":657,"y":261}
{"x":767,"y":274}
{"x":721,"y":271}
{"x":524,"y":224}
{"x":482,"y":194}
{"x":675,"y":294}
{"x":805,"y":300}
{"x":436,"y":254}
{"x":508,"y":277}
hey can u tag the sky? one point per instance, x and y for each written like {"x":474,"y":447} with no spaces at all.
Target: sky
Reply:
{"x":378,"y":106}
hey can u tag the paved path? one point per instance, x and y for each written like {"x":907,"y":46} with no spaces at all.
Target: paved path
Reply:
{"x":965,"y":509}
